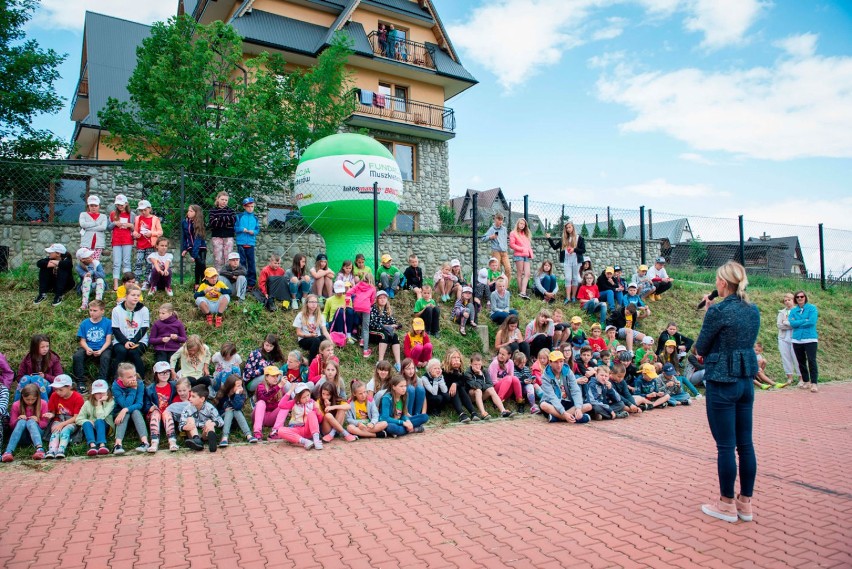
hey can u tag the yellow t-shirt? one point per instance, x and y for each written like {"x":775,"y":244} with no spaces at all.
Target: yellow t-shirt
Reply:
{"x":121,"y":292}
{"x":212,"y":292}
{"x":361,"y":413}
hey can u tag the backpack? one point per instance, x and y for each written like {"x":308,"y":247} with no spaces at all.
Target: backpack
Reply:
{"x":43,"y":386}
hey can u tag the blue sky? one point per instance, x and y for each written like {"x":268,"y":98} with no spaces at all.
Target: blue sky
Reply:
{"x":713,"y":107}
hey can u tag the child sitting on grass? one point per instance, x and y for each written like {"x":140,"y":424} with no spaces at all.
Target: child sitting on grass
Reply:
{"x":28,"y":415}
{"x":129,"y":393}
{"x":200,"y":413}
{"x":362,"y":419}
{"x":480,"y":386}
{"x":212,"y":297}
{"x":96,"y":418}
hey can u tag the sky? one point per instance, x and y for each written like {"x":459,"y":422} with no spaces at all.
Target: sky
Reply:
{"x":707,"y":107}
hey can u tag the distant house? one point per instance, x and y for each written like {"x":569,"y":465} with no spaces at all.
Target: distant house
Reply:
{"x":489,"y":203}
{"x":671,"y":233}
{"x":781,"y":256}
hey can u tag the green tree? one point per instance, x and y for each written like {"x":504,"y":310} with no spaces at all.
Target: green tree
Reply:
{"x":196,"y":107}
{"x":584,"y":232}
{"x":597,"y":231}
{"x":611,"y":232}
{"x":27,"y":75}
{"x":697,"y":252}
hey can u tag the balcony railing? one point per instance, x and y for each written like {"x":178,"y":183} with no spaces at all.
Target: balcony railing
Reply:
{"x":82,"y":92}
{"x":402,"y":50}
{"x":404,"y":110}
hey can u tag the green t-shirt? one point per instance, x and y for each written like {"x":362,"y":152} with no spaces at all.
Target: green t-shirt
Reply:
{"x":390,"y":271}
{"x":423,"y":303}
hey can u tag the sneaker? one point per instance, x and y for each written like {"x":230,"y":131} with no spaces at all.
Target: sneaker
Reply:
{"x":597,"y":417}
{"x":257,"y":435}
{"x":103,"y":450}
{"x":391,"y":293}
{"x":50,"y":455}
{"x":361,"y":342}
{"x":145,"y":286}
{"x":294,"y":305}
{"x":218,"y":322}
{"x":223,"y":443}
{"x":534,"y":410}
{"x":194,"y":443}
{"x":92,"y":451}
{"x":328,"y":438}
{"x":60,"y":454}
{"x":685,"y":402}
{"x":622,"y":415}
{"x":212,"y":442}
{"x":552,"y":419}
{"x":308,"y":444}
{"x":7,"y":457}
{"x":350,"y":340}
{"x":397,"y":367}
{"x":721,"y":511}
{"x":368,"y":353}
{"x":464,"y":418}
{"x":525,"y":296}
{"x":381,"y":435}
{"x":253,"y":440}
{"x":699,"y":396}
{"x":419,"y":430}
{"x":780,"y":385}
{"x":209,"y":320}
{"x":143,"y":447}
{"x":82,"y":389}
{"x":462,"y":330}
{"x":40,"y":298}
{"x":317,"y":443}
{"x":475,"y":417}
{"x":744,"y":511}
{"x":169,"y":291}
{"x":646,"y":406}
{"x":154,"y":446}
{"x":39,"y":454}
{"x":57,"y":300}
{"x":273,"y":436}
{"x":584,"y":419}
{"x":507,"y":414}
{"x":350,"y":438}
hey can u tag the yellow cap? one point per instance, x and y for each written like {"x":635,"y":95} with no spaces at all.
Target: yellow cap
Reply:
{"x":556,"y":355}
{"x":609,"y":270}
{"x":271,"y":370}
{"x":210,"y":272}
{"x":649,"y":371}
{"x":576,"y":320}
{"x":643,"y":267}
{"x":671,"y":343}
{"x":418,"y":324}
{"x":386,"y":258}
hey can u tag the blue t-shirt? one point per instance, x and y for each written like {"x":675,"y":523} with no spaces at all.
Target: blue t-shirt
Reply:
{"x":95,"y":334}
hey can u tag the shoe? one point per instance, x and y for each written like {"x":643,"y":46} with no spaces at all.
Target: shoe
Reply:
{"x":780,"y":385}
{"x":143,"y":447}
{"x":273,"y":436}
{"x":525,"y":296}
{"x":218,"y":322}
{"x":294,"y":305}
{"x":584,"y":419}
{"x":597,"y":417}
{"x":419,"y":430}
{"x":350,"y":340}
{"x":699,"y":396}
{"x":328,"y":438}
{"x":154,"y":446}
{"x":485,"y":417}
{"x":253,"y":440}
{"x":209,"y":320}
{"x":57,"y":300}
{"x":381,"y":435}
{"x":152,"y":292}
{"x":84,"y":307}
{"x":721,"y":511}
{"x":804,"y":384}
{"x":223,"y":443}
{"x":685,"y":402}
{"x":60,"y":454}
{"x":92,"y":451}
{"x":350,"y":438}
{"x":391,"y":293}
{"x":194,"y":443}
{"x":169,"y":291}
{"x":212,"y":442}
{"x":361,"y":342}
{"x":7,"y":457}
{"x":103,"y":450}
{"x":764,"y":387}
{"x":82,"y":389}
{"x":622,"y":415}
{"x":40,"y":298}
{"x":308,"y":444}
{"x":814,"y":388}
{"x":507,"y":414}
{"x":257,"y":435}
{"x":646,"y":406}
{"x":397,"y":367}
{"x":50,"y":455}
{"x":463,"y":331}
{"x":664,"y":405}
{"x":145,"y":286}
{"x":367,"y":353}
{"x":744,"y":511}
{"x":475,"y":417}
{"x":173,"y":446}
{"x":552,"y":419}
{"x":317,"y":442}
{"x":464,"y":418}
{"x":534,"y":410}
{"x":38,"y":455}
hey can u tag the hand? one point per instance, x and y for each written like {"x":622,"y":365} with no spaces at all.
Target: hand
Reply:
{"x":47,"y":416}
{"x":97,"y":353}
{"x":129,"y":345}
{"x":120,"y":417}
{"x":173,"y":336}
{"x":56,"y":427}
{"x":89,"y":352}
{"x":452,"y":390}
{"x":707,"y":302}
{"x":408,"y":426}
{"x":183,"y":254}
{"x":166,"y":339}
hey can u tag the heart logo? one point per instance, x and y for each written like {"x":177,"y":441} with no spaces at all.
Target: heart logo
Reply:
{"x":354,"y":169}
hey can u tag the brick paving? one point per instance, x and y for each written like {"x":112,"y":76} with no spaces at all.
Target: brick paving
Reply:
{"x":517,"y":493}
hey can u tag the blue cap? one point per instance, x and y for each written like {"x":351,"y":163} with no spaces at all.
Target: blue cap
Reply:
{"x":669,"y":369}
{"x":248,"y":200}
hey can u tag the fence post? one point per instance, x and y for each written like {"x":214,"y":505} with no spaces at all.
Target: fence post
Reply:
{"x":375,"y":228}
{"x":509,"y":223}
{"x":474,"y":227}
{"x":642,"y":235}
{"x":742,"y":242}
{"x":821,"y":259}
{"x":650,"y":223}
{"x":562,"y":218}
{"x":182,"y":208}
{"x":527,"y":209}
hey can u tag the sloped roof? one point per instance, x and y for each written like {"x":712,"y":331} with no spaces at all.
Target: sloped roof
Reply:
{"x":671,"y":230}
{"x":445,"y":65}
{"x":602,"y":226}
{"x":791,"y":244}
{"x":111,"y":58}
{"x":403,"y":7}
{"x":272,"y":30}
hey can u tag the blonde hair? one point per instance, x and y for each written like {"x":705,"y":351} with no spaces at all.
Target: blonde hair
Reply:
{"x":193,"y":342}
{"x":734,"y":274}
{"x":526,"y":231}
{"x":569,"y":241}
{"x":450,"y":353}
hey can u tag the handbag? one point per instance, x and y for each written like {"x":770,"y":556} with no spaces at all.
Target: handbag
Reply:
{"x":339,"y":338}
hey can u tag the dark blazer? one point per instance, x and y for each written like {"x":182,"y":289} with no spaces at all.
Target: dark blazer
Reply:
{"x":726,"y":340}
{"x":579,"y":250}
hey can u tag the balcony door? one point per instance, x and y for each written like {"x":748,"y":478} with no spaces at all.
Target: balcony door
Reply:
{"x":396,"y":96}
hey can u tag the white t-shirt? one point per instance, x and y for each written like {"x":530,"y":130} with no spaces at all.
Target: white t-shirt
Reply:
{"x":156,"y":258}
{"x":225,"y":365}
{"x":654,"y":273}
{"x":312,"y":327}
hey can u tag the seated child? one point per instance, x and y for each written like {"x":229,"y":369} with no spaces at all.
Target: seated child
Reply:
{"x":361,"y":268}
{"x":596,"y":342}
{"x":271,"y":285}
{"x":129,"y":393}
{"x":55,"y":274}
{"x":193,"y":360}
{"x":413,"y":275}
{"x":445,"y":283}
{"x":529,"y":384}
{"x":561,"y":329}
{"x":645,"y":354}
{"x":426,"y":309}
{"x":233,"y":274}
{"x":465,"y":309}
{"x":632,"y":404}
{"x":437,"y":396}
{"x":346,"y":275}
{"x":388,"y":277}
{"x":762,"y":380}
{"x":394,"y":410}
{"x":95,"y":337}
{"x":480,"y":385}
{"x":605,"y":401}
{"x":649,"y":386}
{"x":500,"y":302}
{"x":176,"y":409}
{"x":96,"y":418}
{"x":673,"y":386}
{"x":91,"y":274}
{"x":229,"y":402}
{"x":225,"y":362}
{"x":632,"y":297}
{"x":212,"y":296}
{"x":167,"y":333}
{"x":158,"y":396}
{"x":323,"y":277}
{"x":200,"y":413}
{"x":29,"y":416}
{"x":161,"y":268}
{"x":416,"y":344}
{"x":304,"y":415}
{"x":362,"y":419}
{"x":127,"y":278}
{"x":362,"y":297}
{"x":338,"y":312}
{"x":62,"y":410}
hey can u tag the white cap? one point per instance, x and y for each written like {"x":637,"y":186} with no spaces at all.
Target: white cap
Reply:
{"x":56,"y":248}
{"x":99,"y":386}
{"x":233,"y":255}
{"x":93,"y":200}
{"x":380,"y":293}
{"x":84,"y":253}
{"x":467,"y":289}
{"x":494,"y":259}
{"x":647,"y":340}
{"x":483,"y":276}
{"x":620,"y":348}
{"x":162,"y":366}
{"x":61,"y":380}
{"x":143,"y":204}
{"x":455,"y":263}
{"x":339,"y":287}
{"x":632,"y":285}
{"x":120,"y":199}
{"x":300,"y":388}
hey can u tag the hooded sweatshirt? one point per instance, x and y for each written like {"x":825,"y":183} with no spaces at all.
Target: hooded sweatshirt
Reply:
{"x":165,"y":328}
{"x":363,"y":296}
{"x":130,"y":325}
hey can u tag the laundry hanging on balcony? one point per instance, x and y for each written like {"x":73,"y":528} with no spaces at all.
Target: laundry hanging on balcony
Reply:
{"x":366,"y":97}
{"x":379,"y":100}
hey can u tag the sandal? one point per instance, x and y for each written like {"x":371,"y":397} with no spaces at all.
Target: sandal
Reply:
{"x":463,"y":331}
{"x":814,"y":388}
{"x":485,"y":417}
{"x":804,"y":384}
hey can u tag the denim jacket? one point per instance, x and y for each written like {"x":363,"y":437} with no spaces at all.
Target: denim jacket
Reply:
{"x":727,"y":340}
{"x":552,"y":388}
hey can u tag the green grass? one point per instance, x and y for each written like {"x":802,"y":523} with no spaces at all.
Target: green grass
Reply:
{"x":247,"y":323}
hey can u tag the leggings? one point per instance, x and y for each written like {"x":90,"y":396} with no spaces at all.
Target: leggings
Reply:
{"x":154,"y":419}
{"x":138,"y":423}
{"x":222,"y":247}
{"x":421,"y":353}
{"x":295,"y":433}
{"x":806,"y":356}
{"x":508,"y":384}
{"x":142,"y":268}
{"x":121,"y":255}
{"x":200,"y":265}
{"x":729,"y":412}
{"x":572,"y":271}
{"x":263,"y":417}
{"x":86,"y":289}
{"x":59,"y":440}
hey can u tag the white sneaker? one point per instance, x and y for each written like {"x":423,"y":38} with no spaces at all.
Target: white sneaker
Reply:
{"x":294,"y":305}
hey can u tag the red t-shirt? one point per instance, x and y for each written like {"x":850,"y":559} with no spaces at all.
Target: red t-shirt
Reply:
{"x":144,"y":242}
{"x":294,"y":374}
{"x":163,"y":394}
{"x":120,"y":235}
{"x":597,"y":344}
{"x":64,"y":409}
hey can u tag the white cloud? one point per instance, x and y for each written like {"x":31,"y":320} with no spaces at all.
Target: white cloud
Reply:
{"x":804,"y":211}
{"x":70,"y":14}
{"x":803,"y":45}
{"x":723,"y":22}
{"x":606,"y":59}
{"x":798,"y":107}
{"x":663,"y":189}
{"x":696,"y":158}
{"x":613,"y":29}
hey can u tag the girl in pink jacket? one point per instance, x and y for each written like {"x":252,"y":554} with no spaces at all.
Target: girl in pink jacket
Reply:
{"x":304,"y":418}
{"x":520,"y":241}
{"x":363,"y":297}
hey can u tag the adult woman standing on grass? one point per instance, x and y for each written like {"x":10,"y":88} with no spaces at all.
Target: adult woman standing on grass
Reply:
{"x":726,"y":343}
{"x":785,"y":340}
{"x":803,"y":319}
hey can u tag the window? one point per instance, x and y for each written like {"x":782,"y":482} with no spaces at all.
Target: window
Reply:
{"x":405,"y":156}
{"x":406,"y":221}
{"x":62,"y":202}
{"x":283,"y":217}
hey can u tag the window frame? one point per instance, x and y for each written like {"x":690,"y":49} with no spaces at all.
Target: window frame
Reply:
{"x":51,"y":200}
{"x":385,"y":142}
{"x":415,"y":218}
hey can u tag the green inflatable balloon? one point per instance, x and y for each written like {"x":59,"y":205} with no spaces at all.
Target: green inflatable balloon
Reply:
{"x":334,"y":193}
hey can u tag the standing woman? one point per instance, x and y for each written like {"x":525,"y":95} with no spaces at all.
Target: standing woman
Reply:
{"x":520,"y":241}
{"x":803,"y":319}
{"x":785,"y":340}
{"x":726,"y":343}
{"x":221,"y":220}
{"x":571,"y":249}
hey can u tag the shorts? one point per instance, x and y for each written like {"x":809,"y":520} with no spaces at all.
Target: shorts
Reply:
{"x":517,"y":258}
{"x":212,"y":304}
{"x":622,"y":333}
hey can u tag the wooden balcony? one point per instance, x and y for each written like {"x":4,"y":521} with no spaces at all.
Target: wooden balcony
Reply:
{"x":80,"y":103}
{"x":403,"y":51}
{"x":403,"y":116}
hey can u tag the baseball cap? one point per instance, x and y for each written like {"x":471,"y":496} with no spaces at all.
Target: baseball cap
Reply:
{"x":633,"y":285}
{"x":418,"y":324}
{"x":648,"y":369}
{"x":93,"y":200}
{"x":386,"y":258}
{"x":143,"y":204}
{"x":610,"y":327}
{"x":248,"y":200}
{"x":586,"y":258}
{"x":380,"y":293}
{"x":620,"y":348}
{"x":617,"y":268}
{"x":482,"y":278}
{"x":271,"y":370}
{"x":466,"y":289}
{"x":322,"y":257}
{"x":643,"y":267}
{"x":300,"y":388}
{"x":84,"y":253}
{"x":670,"y":343}
{"x":495,"y":259}
{"x":339,"y":287}
{"x":61,"y":380}
{"x":556,"y":355}
{"x":161,"y":367}
{"x":576,"y":320}
{"x":210,"y":272}
{"x":99,"y":386}
{"x":609,"y":270}
{"x":660,"y":260}
{"x":669,"y":369}
{"x":455,"y":263}
{"x":120,"y":199}
{"x":647,"y":340}
{"x":56,"y":248}
{"x":233,"y":255}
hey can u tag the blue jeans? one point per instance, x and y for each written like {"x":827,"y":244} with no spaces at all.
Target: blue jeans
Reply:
{"x":678,"y":398}
{"x":247,"y":260}
{"x":300,"y":289}
{"x":416,"y":420}
{"x":21,"y":427}
{"x":416,"y":396}
{"x":688,"y":385}
{"x":229,"y":417}
{"x":729,"y":412}
{"x":608,"y":296}
{"x":95,"y":434}
{"x":499,"y":315}
{"x":593,"y":307}
{"x":548,"y":283}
